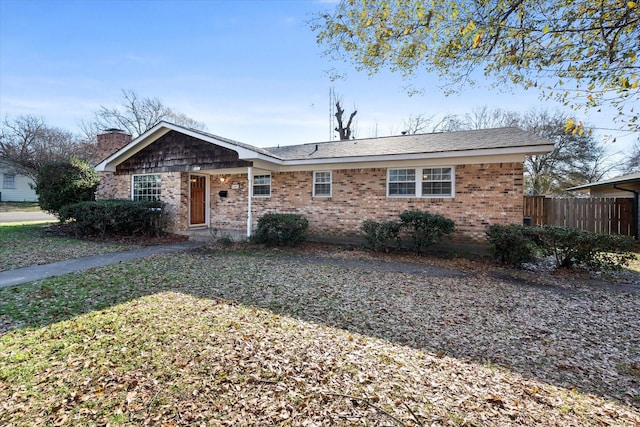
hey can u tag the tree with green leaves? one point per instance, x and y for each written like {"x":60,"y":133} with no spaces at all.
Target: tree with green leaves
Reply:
{"x":60,"y":183}
{"x":584,"y":54}
{"x":577,"y":158}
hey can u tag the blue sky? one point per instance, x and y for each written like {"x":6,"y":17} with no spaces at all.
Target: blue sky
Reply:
{"x":249,"y":70}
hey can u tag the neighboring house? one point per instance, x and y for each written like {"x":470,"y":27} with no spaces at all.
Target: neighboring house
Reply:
{"x":625,"y":186}
{"x":472,"y":177}
{"x":15,"y":187}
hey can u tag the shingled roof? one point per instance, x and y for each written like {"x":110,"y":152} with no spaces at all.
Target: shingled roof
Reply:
{"x":619,"y":180}
{"x":454,"y":144}
{"x":412,"y":144}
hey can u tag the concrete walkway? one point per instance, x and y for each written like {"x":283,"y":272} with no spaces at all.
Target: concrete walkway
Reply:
{"x":23,"y":216}
{"x":38,"y":272}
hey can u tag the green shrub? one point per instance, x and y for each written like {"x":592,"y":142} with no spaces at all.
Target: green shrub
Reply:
{"x":116,"y":217}
{"x":425,"y":229}
{"x":574,"y":247}
{"x":62,"y":183}
{"x":616,"y":251}
{"x":517,"y":244}
{"x":512,"y":244}
{"x":281,"y":229}
{"x":378,"y":234}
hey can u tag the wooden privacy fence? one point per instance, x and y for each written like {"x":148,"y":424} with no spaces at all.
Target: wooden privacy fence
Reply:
{"x":598,"y":215}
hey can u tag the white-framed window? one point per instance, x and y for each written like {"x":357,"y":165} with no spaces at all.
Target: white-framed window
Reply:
{"x":437,"y":182}
{"x":322,"y":184}
{"x":9,"y":181}
{"x":145,"y":187}
{"x":421,"y":182}
{"x":262,"y":186}
{"x":401,"y":182}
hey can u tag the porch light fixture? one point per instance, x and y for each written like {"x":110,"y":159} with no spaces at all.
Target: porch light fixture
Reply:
{"x":222,"y":179}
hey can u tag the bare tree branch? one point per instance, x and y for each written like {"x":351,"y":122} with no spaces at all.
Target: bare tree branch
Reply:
{"x":135,"y":115}
{"x":27,"y":142}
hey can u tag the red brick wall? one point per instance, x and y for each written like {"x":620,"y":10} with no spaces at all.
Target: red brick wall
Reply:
{"x":174,"y":193}
{"x":485,"y":194}
{"x":109,"y":143}
{"x":113,"y":186}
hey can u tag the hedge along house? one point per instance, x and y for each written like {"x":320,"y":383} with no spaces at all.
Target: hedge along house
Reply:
{"x":472,"y":177}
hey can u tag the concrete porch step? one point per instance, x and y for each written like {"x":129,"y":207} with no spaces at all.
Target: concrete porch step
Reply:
{"x":213,"y":234}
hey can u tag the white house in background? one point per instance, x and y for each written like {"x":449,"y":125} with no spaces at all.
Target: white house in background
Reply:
{"x":15,"y":187}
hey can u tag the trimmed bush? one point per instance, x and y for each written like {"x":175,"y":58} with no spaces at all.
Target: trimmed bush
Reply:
{"x":116,"y":217}
{"x":281,"y":229}
{"x":512,"y":244}
{"x":62,"y":183}
{"x":425,"y":229}
{"x":574,"y":247}
{"x":378,"y":234}
{"x":517,"y":244}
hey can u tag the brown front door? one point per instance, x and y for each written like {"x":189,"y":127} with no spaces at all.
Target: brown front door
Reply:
{"x":198,"y":199}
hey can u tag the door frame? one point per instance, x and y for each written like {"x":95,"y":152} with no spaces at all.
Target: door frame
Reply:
{"x":207,"y":200}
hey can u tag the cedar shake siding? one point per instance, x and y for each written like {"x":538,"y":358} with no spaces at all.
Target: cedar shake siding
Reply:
{"x":175,"y":152}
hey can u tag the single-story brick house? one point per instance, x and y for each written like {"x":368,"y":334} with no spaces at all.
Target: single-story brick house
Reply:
{"x":472,"y":177}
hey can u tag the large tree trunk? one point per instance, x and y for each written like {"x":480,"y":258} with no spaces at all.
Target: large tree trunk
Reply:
{"x":343,"y":131}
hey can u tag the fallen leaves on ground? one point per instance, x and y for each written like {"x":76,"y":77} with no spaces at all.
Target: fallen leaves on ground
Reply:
{"x":265,"y":338}
{"x":37,"y":244}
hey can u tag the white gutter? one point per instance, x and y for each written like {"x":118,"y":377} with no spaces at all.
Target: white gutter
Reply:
{"x":530,"y":150}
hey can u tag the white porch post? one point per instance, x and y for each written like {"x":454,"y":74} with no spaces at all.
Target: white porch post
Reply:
{"x":250,"y":194}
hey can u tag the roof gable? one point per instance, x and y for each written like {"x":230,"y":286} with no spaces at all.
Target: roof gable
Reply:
{"x":177,"y":152}
{"x":245,"y":151}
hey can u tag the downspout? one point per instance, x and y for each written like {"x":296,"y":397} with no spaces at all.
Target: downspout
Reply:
{"x":635,"y":209}
{"x":250,"y":195}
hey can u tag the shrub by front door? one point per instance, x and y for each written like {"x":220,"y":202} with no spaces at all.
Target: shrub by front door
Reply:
{"x":198,"y":200}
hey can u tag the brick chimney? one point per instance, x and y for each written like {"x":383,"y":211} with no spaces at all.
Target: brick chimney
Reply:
{"x":109,"y":142}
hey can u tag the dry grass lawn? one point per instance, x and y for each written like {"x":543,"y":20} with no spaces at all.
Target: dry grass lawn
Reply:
{"x":333,"y":338}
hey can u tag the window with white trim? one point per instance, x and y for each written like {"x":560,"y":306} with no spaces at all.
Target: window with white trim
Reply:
{"x":437,"y":182}
{"x":145,"y":187}
{"x":421,"y":182}
{"x":322,"y":184}
{"x":262,"y":186}
{"x":401,"y":182}
{"x":9,"y":181}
